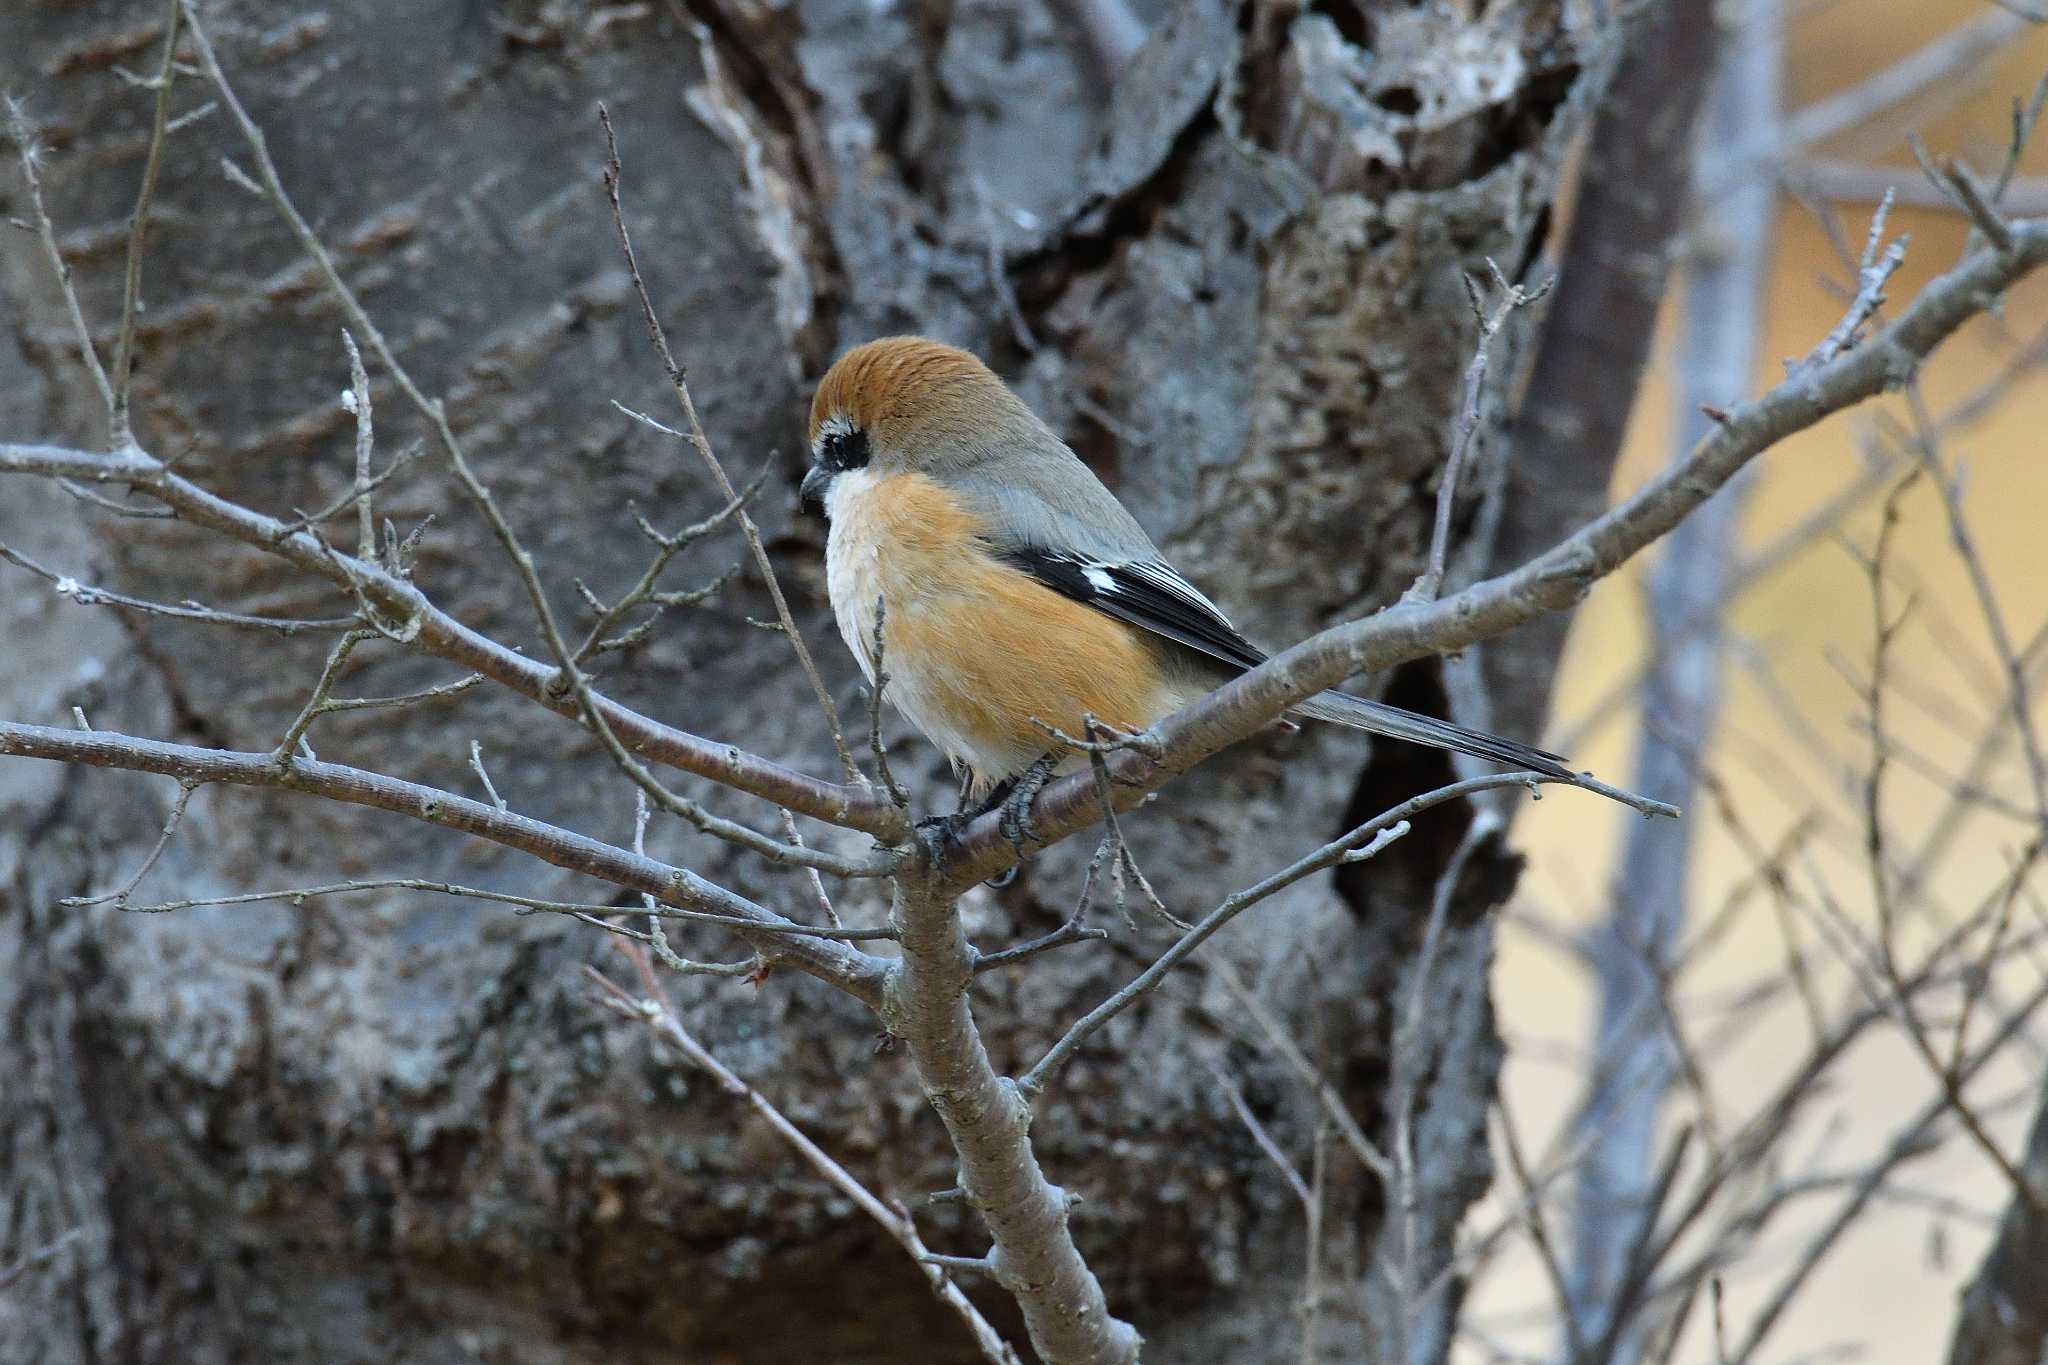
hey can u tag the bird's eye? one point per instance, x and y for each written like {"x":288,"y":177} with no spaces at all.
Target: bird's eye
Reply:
{"x":844,"y":450}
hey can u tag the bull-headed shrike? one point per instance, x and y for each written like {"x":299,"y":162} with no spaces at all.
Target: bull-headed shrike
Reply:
{"x":1014,"y":591}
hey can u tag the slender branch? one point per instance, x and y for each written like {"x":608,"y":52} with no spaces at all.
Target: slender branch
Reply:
{"x":88,"y":595}
{"x":316,"y":704}
{"x":848,"y":968}
{"x":661,"y":1019}
{"x":585,"y":910}
{"x":119,"y":431}
{"x":119,"y":895}
{"x":1276,"y":1040}
{"x":1262,"y":1139}
{"x":989,"y":1122}
{"x":1552,"y":581}
{"x":1956,"y":50}
{"x":438,"y":692}
{"x":30,"y":157}
{"x":1511,"y":296}
{"x":679,"y":384}
{"x":1857,"y":183}
{"x":1927,"y":449}
{"x":437,"y":633}
{"x":1356,"y":846}
{"x":1073,"y":931}
{"x":358,"y":405}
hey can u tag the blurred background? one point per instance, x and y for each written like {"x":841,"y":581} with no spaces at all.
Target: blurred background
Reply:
{"x":1789,"y":757}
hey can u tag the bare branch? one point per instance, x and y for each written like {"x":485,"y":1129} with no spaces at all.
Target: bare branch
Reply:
{"x":851,"y":970}
{"x":30,"y":157}
{"x":119,"y":432}
{"x":119,"y":895}
{"x":677,"y":382}
{"x":1854,"y":182}
{"x":359,"y":405}
{"x":87,"y":595}
{"x":437,"y":633}
{"x":1073,"y":931}
{"x":1956,"y":50}
{"x":588,"y":911}
{"x":1510,"y":297}
{"x":316,"y":704}
{"x":1550,"y":582}
{"x":658,"y":1017}
{"x":1355,"y":846}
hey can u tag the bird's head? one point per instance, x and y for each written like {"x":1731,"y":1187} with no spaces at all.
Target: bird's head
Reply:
{"x":911,"y":405}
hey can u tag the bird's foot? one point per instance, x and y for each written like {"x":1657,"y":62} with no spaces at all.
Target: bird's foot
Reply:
{"x":1018,"y":828}
{"x":1014,"y":798}
{"x":937,"y":831}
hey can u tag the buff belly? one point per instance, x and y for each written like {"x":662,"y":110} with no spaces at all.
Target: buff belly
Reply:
{"x":975,"y":649}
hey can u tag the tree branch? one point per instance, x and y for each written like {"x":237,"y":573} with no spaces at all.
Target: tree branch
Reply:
{"x":989,"y":1122}
{"x":662,"y":1021}
{"x":853,"y":971}
{"x":437,"y":633}
{"x":1550,"y":582}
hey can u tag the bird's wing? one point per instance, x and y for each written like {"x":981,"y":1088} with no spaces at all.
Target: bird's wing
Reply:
{"x":1149,"y":594}
{"x":1054,"y":520}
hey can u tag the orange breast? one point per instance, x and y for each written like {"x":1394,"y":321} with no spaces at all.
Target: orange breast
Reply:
{"x":976,"y":649}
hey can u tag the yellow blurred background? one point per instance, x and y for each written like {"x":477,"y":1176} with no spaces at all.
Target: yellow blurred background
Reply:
{"x":1792,"y":744}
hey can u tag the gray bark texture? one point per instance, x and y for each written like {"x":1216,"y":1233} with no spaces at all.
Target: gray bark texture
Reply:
{"x":396,"y":1128}
{"x":2002,"y":1318}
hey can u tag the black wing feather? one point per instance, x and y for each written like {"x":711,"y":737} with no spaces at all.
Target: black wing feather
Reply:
{"x":1151,"y":596}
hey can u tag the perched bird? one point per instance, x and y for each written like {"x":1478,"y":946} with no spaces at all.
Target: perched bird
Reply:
{"x":1014,"y":590}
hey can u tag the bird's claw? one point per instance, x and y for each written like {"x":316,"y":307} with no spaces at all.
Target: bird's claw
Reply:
{"x":936,"y":831}
{"x":1018,"y":828}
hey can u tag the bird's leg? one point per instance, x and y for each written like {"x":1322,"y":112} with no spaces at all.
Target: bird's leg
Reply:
{"x":936,"y":831}
{"x":1016,"y":795}
{"x":1017,"y":824}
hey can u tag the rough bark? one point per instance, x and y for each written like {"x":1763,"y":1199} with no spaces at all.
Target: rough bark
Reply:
{"x":397,"y":1130}
{"x":1567,"y":429}
{"x":2002,"y":1318}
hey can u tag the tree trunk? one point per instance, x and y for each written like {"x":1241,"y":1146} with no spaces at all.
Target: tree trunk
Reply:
{"x":395,"y":1128}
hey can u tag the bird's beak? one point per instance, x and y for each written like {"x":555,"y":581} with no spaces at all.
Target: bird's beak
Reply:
{"x":811,"y":492}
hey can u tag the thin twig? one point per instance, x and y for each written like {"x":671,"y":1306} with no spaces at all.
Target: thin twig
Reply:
{"x":677,"y":381}
{"x":527,"y":904}
{"x":878,"y":647}
{"x":662,"y":1020}
{"x":119,"y":431}
{"x":1511,"y":297}
{"x":1073,"y":931}
{"x":119,"y":895}
{"x":89,"y":595}
{"x":805,"y":946}
{"x":1361,"y":843}
{"x":316,"y":704}
{"x":359,"y":406}
{"x":30,"y":156}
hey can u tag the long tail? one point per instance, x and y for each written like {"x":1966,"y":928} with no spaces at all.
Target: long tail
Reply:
{"x":1381,"y":719}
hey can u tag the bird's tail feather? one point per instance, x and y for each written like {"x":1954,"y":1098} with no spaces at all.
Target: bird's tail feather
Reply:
{"x":1381,"y":719}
